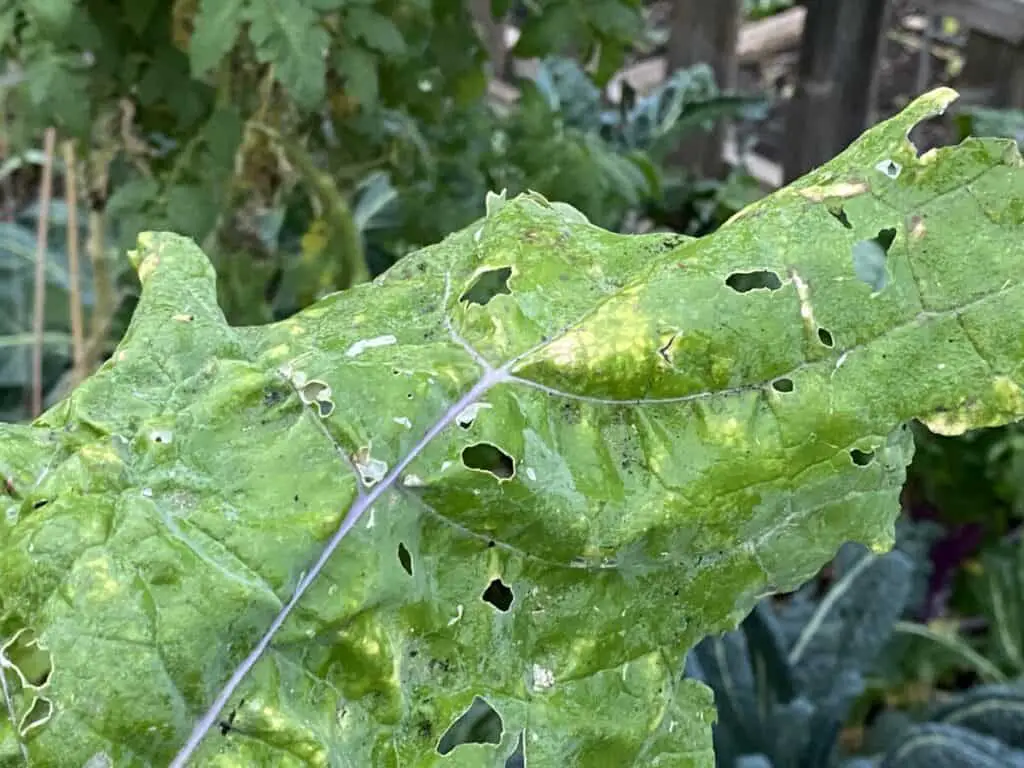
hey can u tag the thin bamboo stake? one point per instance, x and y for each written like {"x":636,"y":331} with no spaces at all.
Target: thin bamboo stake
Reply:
{"x":104,"y":298}
{"x":39,"y":317}
{"x":75,"y":291}
{"x":78,"y":371}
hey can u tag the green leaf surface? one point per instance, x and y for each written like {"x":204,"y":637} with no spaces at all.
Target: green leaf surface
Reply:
{"x":377,"y":31}
{"x":216,"y":28}
{"x":550,"y":31}
{"x":616,"y":19}
{"x":288,"y":34}
{"x":359,"y":68}
{"x":542,"y":497}
{"x":51,"y":16}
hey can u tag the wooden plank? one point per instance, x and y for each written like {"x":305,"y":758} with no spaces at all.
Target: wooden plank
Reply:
{"x":768,"y":174}
{"x":1002,"y":19}
{"x":772,"y":35}
{"x":757,"y":40}
{"x":707,"y":34}
{"x":837,"y":79}
{"x":994,"y":71}
{"x":491,"y":33}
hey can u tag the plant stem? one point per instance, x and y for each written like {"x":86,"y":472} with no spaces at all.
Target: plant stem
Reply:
{"x":335,"y":210}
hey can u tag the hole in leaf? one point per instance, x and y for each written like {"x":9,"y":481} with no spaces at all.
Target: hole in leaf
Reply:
{"x":931,"y":133}
{"x":38,"y":714}
{"x":783,"y":385}
{"x":840,"y":215}
{"x":869,"y":259}
{"x":742,"y":282}
{"x":489,"y":458}
{"x":468,"y":416}
{"x":27,"y":658}
{"x":479,"y":724}
{"x":498,"y":595}
{"x":405,"y":558}
{"x":825,"y":337}
{"x":487,"y":285}
{"x":889,"y":167}
{"x":862,"y":458}
{"x":518,"y":758}
{"x":885,"y":238}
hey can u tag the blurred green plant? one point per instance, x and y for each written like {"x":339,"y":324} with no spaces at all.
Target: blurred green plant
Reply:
{"x":308,"y":146}
{"x":987,"y":121}
{"x":786,"y":681}
{"x":982,"y":728}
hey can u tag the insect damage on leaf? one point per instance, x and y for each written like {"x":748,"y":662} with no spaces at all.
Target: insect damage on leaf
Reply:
{"x":658,"y":450}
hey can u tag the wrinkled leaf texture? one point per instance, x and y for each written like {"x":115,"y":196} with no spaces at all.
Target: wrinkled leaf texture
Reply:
{"x":636,"y":449}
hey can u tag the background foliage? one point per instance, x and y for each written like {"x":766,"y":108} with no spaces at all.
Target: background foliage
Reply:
{"x":310,"y":144}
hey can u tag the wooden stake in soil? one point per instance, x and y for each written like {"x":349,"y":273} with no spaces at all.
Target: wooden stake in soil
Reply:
{"x":705,"y":32}
{"x":836,"y":80}
{"x":78,"y":371}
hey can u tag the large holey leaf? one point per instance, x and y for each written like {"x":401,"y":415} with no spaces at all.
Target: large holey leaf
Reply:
{"x":561,"y":457}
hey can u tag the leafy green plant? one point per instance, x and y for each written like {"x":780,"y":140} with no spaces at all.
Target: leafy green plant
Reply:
{"x":335,"y":533}
{"x":17,"y":257}
{"x":258,"y":127}
{"x":983,"y":728}
{"x":999,"y":587}
{"x":993,"y":589}
{"x":170,"y":101}
{"x":803,"y":669}
{"x":566,"y":142}
{"x":974,"y":477}
{"x":986,"y":121}
{"x":786,"y":681}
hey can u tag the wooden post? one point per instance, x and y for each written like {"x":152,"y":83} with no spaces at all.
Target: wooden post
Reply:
{"x":492,"y":35}
{"x":994,"y":67}
{"x":836,"y":80}
{"x":705,"y":32}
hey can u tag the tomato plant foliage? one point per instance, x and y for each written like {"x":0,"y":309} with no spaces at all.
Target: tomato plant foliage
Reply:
{"x":558,"y":457}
